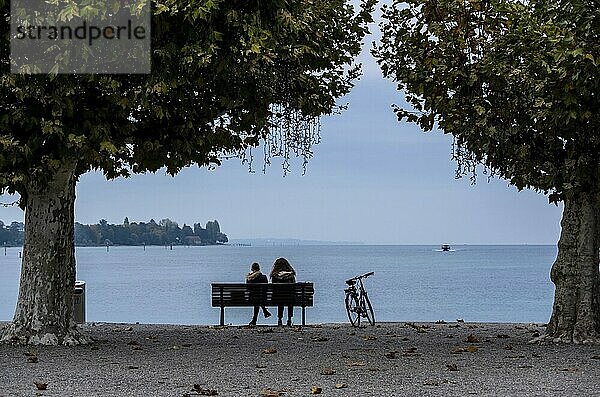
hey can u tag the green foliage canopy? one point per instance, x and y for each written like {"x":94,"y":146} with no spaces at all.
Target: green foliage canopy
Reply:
{"x":224,"y":74}
{"x":515,"y":82}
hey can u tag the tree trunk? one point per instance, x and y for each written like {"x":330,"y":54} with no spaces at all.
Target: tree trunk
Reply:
{"x":44,"y":313}
{"x":576,"y":312}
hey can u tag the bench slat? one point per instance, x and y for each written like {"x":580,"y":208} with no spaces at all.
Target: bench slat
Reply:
{"x":244,"y":295}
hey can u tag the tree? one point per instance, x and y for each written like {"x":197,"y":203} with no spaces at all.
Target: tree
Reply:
{"x":186,"y":230}
{"x":212,"y":230}
{"x":516,"y":84}
{"x":226,"y":75}
{"x":201,"y":232}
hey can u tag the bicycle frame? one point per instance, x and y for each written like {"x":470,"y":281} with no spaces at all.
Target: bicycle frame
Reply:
{"x":357,"y":301}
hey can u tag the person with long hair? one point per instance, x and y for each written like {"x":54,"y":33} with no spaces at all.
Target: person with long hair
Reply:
{"x":283,"y":272}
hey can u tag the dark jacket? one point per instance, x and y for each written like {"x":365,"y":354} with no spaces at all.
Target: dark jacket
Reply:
{"x":258,"y":293}
{"x":262,"y":278}
{"x":289,"y":278}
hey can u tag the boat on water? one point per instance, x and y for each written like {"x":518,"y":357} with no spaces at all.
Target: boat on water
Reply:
{"x":445,"y":248}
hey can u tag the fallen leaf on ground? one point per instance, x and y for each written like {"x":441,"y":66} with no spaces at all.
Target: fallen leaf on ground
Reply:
{"x":369,"y":337}
{"x":31,"y":353}
{"x":472,"y":349}
{"x":571,"y":369}
{"x":472,"y":339}
{"x":341,"y":385}
{"x":204,"y":392}
{"x":328,"y":371}
{"x":410,"y":352}
{"x":431,"y":383}
{"x":458,"y":350}
{"x":420,"y":328}
{"x":270,"y":393}
{"x":451,"y":367}
{"x":269,"y":350}
{"x":315,"y":390}
{"x":40,"y":385}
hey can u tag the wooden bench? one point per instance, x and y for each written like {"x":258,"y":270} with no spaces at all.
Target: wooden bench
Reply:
{"x":248,"y":295}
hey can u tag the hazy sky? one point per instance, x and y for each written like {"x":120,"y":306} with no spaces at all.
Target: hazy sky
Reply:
{"x":371,"y":180}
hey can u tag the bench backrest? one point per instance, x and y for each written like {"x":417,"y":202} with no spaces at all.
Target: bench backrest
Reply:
{"x":242,"y":294}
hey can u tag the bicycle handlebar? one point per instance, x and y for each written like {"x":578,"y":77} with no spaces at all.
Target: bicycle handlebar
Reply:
{"x":363,"y":276}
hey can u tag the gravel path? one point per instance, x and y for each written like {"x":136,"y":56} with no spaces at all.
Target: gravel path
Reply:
{"x":454,"y":359}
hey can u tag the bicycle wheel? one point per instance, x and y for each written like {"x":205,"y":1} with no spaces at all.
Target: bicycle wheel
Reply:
{"x":368,"y":309}
{"x":352,"y":307}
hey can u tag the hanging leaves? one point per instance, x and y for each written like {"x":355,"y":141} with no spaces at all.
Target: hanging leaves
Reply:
{"x":514,"y":82}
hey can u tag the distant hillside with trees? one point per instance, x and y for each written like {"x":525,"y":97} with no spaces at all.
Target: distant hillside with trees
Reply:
{"x":165,"y":232}
{"x":11,"y":235}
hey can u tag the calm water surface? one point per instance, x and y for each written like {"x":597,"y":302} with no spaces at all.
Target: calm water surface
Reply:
{"x":411,"y":283}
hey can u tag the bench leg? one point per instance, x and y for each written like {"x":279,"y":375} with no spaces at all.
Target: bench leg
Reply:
{"x":222,"y":316}
{"x":303,"y":312}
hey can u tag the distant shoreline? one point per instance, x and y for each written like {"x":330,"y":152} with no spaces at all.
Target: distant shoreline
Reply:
{"x":312,"y":243}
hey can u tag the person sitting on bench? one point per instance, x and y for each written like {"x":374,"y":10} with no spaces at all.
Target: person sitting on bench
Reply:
{"x":283,"y":272}
{"x":255,"y":276}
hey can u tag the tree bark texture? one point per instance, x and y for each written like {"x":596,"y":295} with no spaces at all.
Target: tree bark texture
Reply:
{"x":44,"y":312}
{"x":576,"y":311}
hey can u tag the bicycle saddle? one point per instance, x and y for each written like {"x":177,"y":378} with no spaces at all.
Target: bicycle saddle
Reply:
{"x":351,"y":282}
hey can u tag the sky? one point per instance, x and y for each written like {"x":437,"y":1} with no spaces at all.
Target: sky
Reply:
{"x":371,"y":180}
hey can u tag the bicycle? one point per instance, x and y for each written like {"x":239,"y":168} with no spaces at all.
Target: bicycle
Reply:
{"x":357,"y":301}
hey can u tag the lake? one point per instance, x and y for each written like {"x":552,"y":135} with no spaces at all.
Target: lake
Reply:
{"x":411,"y":283}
